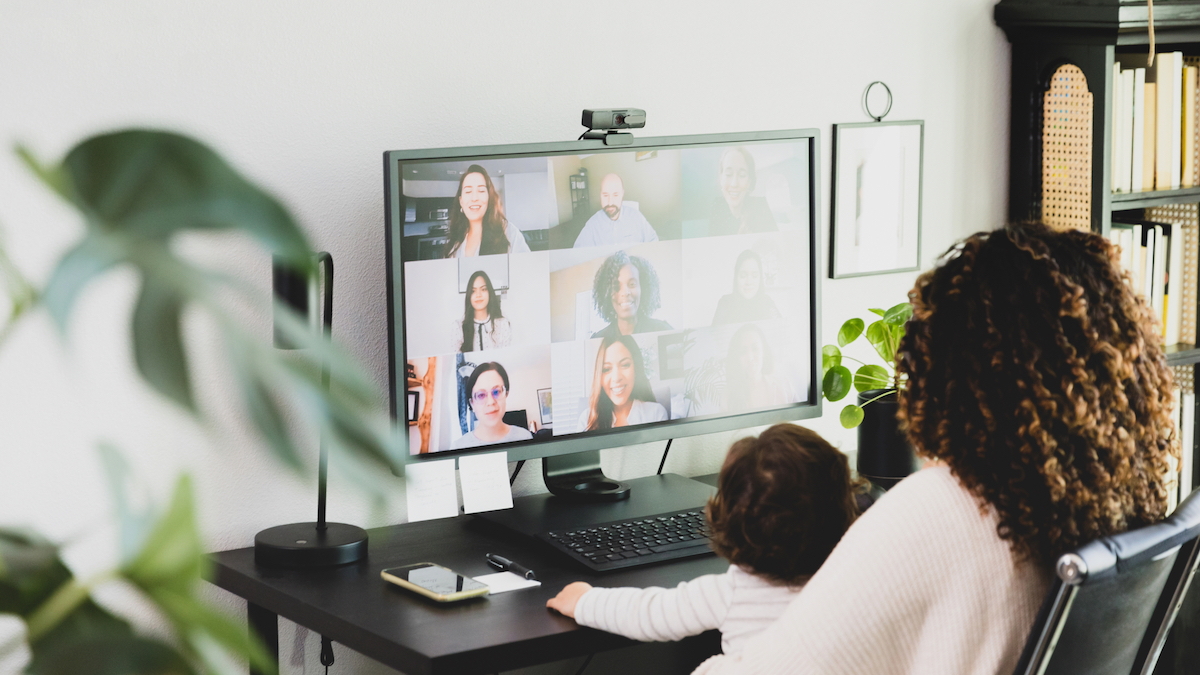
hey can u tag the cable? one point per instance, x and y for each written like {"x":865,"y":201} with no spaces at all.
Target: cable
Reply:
{"x":513,"y":478}
{"x":585,"y":664}
{"x":664,"y":459}
{"x":581,"y":136}
{"x":326,"y":653}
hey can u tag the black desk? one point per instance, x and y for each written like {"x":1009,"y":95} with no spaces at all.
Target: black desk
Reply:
{"x":352,"y":606}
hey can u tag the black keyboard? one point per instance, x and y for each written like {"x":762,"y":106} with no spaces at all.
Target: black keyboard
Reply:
{"x":636,"y":541}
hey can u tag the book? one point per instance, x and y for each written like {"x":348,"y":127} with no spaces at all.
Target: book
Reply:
{"x":1188,"y":139}
{"x":1187,"y":442}
{"x":1158,"y":272}
{"x":1173,"y":323}
{"x":1164,"y":104}
{"x":1149,"y":144}
{"x":1118,"y":114}
{"x":1125,"y":149}
{"x":1139,"y":129}
{"x":1176,"y":119}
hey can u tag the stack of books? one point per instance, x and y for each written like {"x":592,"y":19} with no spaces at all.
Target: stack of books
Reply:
{"x":1154,"y":115}
{"x":1152,"y":253}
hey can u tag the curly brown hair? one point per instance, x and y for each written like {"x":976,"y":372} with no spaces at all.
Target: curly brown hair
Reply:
{"x":1038,"y":376}
{"x":784,"y":500}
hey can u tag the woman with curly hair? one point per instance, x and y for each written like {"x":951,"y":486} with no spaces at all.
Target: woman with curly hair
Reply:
{"x":1037,"y":387}
{"x":625,"y":292}
{"x":784,"y":500}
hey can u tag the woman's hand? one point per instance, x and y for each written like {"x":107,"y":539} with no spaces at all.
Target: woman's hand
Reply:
{"x":564,"y":603}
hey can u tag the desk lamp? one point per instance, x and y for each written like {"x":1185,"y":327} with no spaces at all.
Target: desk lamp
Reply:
{"x":318,"y":544}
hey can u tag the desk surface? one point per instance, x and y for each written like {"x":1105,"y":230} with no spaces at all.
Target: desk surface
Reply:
{"x":353,"y":606}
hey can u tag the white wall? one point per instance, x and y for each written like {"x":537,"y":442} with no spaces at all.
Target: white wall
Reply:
{"x":305,"y":96}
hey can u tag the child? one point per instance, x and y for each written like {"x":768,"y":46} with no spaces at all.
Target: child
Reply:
{"x":784,"y":501}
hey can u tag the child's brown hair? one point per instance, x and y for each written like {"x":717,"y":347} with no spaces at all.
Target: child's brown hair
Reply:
{"x":784,"y":501}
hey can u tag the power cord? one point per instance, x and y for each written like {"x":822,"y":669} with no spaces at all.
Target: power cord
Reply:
{"x":664,"y":459}
{"x":585,"y":664}
{"x":326,"y":653}
{"x":513,"y":478}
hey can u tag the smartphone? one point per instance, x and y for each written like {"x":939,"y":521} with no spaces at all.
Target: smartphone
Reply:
{"x":434,"y":581}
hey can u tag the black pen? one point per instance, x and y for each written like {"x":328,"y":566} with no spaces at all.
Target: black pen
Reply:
{"x":510,"y":566}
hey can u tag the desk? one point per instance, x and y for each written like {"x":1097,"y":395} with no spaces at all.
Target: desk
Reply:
{"x":352,"y":606}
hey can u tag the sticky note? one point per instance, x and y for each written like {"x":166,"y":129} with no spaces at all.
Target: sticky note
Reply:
{"x":484,"y":481}
{"x":430,"y":490}
{"x":503,"y":582}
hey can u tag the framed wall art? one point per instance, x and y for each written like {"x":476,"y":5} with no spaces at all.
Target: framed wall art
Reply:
{"x":875,"y":215}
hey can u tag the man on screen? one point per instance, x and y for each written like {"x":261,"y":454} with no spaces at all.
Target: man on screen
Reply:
{"x":617,"y":221}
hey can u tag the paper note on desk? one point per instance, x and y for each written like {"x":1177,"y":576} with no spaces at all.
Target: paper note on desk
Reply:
{"x":485,"y":482}
{"x":430,"y":491}
{"x":503,"y":582}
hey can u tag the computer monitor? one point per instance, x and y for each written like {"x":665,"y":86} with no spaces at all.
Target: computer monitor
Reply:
{"x":616,"y":295}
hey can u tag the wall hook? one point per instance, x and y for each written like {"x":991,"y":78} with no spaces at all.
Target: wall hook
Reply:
{"x":867,"y":107}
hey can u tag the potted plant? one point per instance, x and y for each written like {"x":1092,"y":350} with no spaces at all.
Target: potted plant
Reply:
{"x":884,"y":454}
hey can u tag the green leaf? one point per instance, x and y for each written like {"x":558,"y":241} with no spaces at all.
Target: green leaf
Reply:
{"x":871,"y":377}
{"x":32,"y":571}
{"x":134,"y":524}
{"x":850,"y":332}
{"x":898,"y":315}
{"x":90,"y":258}
{"x":836,"y":383}
{"x":851,"y":416}
{"x":52,"y":177}
{"x":110,"y":654}
{"x":880,"y":312}
{"x":881,"y":338}
{"x":158,"y":343}
{"x":154,"y":184}
{"x":831,"y":357}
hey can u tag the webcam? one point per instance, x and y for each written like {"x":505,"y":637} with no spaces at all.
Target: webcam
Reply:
{"x":603,"y":124}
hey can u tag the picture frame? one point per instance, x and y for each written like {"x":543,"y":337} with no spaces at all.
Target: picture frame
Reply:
{"x":875,"y":210}
{"x":545,"y":407}
{"x":414,"y":407}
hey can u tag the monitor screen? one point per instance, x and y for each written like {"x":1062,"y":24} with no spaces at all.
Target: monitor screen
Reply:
{"x":553,"y":298}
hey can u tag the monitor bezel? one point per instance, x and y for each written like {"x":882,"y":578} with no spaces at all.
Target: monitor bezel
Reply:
{"x":625,"y":436}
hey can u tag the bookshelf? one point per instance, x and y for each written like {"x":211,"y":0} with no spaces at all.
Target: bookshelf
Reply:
{"x":1061,"y":151}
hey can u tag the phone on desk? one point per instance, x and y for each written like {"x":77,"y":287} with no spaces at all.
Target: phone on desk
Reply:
{"x":434,"y":581}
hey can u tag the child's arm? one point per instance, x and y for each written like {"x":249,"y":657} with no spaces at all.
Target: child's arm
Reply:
{"x":650,"y":614}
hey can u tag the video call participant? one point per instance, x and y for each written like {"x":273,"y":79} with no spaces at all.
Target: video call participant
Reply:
{"x":621,"y":393}
{"x":750,"y":379}
{"x":735,"y":211}
{"x":483,"y":324}
{"x":489,"y":388}
{"x":625,"y":292}
{"x":478,"y":225}
{"x":749,"y":300}
{"x":615,"y":222}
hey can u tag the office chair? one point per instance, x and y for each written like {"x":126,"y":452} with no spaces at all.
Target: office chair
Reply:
{"x":1113,"y":600}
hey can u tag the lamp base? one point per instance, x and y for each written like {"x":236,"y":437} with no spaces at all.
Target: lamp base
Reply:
{"x":303,"y":545}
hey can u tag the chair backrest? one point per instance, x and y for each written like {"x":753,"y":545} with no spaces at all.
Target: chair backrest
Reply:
{"x":516,"y":418}
{"x":1113,"y":600}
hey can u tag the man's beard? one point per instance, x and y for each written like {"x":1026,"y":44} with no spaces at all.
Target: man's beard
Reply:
{"x":613,"y":212}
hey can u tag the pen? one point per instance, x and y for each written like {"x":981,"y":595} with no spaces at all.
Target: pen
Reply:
{"x":510,"y":566}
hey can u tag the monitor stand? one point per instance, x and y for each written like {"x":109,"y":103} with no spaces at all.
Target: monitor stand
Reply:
{"x":648,"y":496}
{"x":578,"y":477}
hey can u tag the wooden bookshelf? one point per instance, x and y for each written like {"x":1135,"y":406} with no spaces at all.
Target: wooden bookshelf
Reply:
{"x":1072,"y":126}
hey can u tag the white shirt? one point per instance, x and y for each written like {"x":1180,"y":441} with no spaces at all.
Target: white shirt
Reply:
{"x":470,"y":440}
{"x":920,"y":584}
{"x":630,"y":227}
{"x":516,"y":243}
{"x":488,"y":335}
{"x":640,"y":412}
{"x":738,"y":603}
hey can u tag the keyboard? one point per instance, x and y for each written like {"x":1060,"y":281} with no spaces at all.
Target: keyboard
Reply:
{"x":635,"y":541}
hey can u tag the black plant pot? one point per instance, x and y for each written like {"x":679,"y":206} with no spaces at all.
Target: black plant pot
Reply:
{"x":884,"y":454}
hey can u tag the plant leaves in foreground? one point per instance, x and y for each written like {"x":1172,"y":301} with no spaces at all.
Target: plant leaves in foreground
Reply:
{"x":871,"y":377}
{"x":851,"y":416}
{"x":849,"y":332}
{"x":836,"y":383}
{"x":831,"y":357}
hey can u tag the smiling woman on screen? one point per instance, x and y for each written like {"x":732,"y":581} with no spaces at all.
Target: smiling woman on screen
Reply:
{"x":621,"y":393}
{"x":625,"y":292}
{"x":488,"y":391}
{"x":735,"y":211}
{"x":478,"y":225}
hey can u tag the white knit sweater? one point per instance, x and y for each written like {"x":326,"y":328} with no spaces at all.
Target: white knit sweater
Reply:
{"x":738,"y":602}
{"x":920,"y":584}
